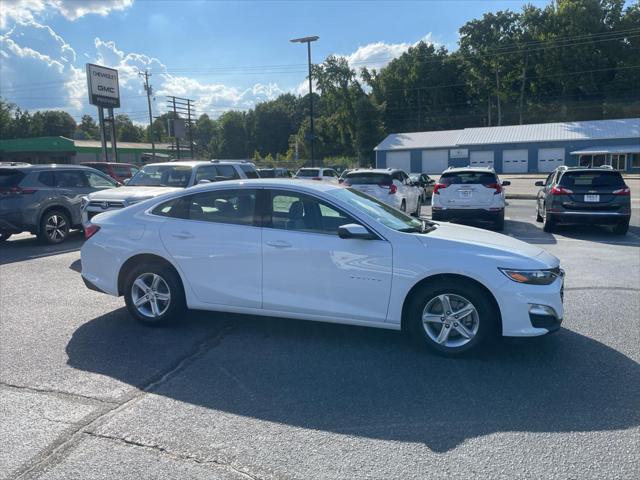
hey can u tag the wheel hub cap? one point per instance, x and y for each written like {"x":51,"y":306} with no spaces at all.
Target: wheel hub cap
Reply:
{"x":150,"y":295}
{"x":450,"y":320}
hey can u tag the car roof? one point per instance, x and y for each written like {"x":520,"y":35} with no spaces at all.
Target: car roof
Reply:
{"x":307,"y":185}
{"x":108,"y":163}
{"x":469,"y":169}
{"x":182,"y":163}
{"x":375,"y":170}
{"x":49,"y":166}
{"x":587,"y":169}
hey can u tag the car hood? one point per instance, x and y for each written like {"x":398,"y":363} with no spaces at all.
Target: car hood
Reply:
{"x":130,"y":193}
{"x":510,"y":251}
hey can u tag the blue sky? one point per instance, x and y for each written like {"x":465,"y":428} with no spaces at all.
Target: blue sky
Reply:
{"x":225,"y":55}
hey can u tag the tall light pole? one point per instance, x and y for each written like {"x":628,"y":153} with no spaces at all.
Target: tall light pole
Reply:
{"x":308,"y":41}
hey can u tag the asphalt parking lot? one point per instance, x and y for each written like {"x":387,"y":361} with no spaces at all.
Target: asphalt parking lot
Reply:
{"x":87,"y":393}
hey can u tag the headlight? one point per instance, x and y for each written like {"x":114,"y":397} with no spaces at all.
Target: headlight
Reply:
{"x":84,"y":201}
{"x":533,"y":277}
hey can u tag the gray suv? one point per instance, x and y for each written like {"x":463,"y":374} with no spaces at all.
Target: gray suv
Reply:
{"x":595,"y":196}
{"x":45,"y":199}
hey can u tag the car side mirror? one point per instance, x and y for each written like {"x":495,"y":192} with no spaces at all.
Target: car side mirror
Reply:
{"x":506,"y":183}
{"x":341,"y":180}
{"x":125,"y":181}
{"x":539,"y":183}
{"x":353,"y":230}
{"x":203,"y":181}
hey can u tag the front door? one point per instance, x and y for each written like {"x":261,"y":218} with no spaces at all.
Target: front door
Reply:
{"x":308,"y":268}
{"x":213,"y":239}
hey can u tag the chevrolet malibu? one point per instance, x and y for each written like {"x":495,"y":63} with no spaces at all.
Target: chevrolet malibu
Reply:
{"x":317,"y":251}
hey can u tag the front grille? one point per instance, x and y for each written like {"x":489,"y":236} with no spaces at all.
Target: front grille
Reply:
{"x":106,"y":205}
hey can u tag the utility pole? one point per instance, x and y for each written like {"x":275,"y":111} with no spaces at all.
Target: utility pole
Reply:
{"x":183,"y":109}
{"x":149,"y":89}
{"x":308,"y":41}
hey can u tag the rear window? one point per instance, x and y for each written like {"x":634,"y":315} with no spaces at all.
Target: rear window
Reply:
{"x":249,"y":171}
{"x":267,"y":173}
{"x":308,"y":172}
{"x":592,"y":180}
{"x":367,"y":178}
{"x":468,"y":178}
{"x":10,"y":178}
{"x":124,"y":171}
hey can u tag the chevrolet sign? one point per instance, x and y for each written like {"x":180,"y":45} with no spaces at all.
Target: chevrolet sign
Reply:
{"x":103,"y":86}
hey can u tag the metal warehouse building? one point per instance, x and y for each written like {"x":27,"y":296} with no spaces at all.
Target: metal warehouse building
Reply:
{"x":517,"y":148}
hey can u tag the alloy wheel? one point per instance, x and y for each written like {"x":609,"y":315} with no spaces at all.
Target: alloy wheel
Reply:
{"x":56,"y":228}
{"x":151,"y":295}
{"x":450,"y":320}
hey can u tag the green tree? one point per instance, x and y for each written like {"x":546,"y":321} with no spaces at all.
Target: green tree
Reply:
{"x":87,"y":128}
{"x":53,"y":123}
{"x":232,"y":141}
{"x":126,"y":131}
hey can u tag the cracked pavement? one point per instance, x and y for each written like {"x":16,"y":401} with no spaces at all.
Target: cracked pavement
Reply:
{"x":87,"y":393}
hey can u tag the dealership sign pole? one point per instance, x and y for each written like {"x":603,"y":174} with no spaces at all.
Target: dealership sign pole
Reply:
{"x":104,"y":92}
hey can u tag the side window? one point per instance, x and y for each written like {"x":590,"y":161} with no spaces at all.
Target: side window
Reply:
{"x":47,"y":178}
{"x":227,"y":171}
{"x":123,"y":171}
{"x":549,"y":179}
{"x":223,"y":206}
{"x":303,"y":213}
{"x":175,"y":208}
{"x":70,"y":179}
{"x":251,"y":172}
{"x":206,"y":172}
{"x":98,"y":181}
{"x":103,"y":168}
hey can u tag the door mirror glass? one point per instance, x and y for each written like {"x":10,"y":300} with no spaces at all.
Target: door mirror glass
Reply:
{"x":506,"y":183}
{"x":539,"y":183}
{"x":353,"y":230}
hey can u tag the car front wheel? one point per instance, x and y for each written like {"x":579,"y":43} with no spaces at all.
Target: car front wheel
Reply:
{"x":453,"y":317}
{"x":153,"y":294}
{"x":54,"y":227}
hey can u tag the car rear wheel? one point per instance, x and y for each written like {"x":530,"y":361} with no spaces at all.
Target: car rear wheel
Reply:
{"x":417,"y":211}
{"x":4,"y":236}
{"x":539,"y":218}
{"x":549,"y":223}
{"x":54,"y":227}
{"x":621,"y":228}
{"x":452,"y":317}
{"x":403,"y":206}
{"x":154,"y":294}
{"x":498,"y":224}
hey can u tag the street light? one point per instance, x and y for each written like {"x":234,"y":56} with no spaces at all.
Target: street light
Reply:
{"x":308,"y":41}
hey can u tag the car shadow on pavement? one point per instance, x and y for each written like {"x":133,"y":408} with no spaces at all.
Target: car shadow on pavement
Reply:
{"x":373,"y":383}
{"x":599,"y":234}
{"x":27,"y":247}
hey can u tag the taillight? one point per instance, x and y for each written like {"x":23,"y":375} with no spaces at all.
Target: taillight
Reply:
{"x":622,"y":191}
{"x":18,"y":191}
{"x":496,"y":186}
{"x":90,"y":230}
{"x":392,"y":188}
{"x":556,"y":190}
{"x":439,"y":186}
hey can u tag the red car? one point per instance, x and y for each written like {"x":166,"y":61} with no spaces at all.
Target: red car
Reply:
{"x":117,"y":171}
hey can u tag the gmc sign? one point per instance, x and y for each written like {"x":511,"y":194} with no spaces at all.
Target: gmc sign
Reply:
{"x":102,"y":83}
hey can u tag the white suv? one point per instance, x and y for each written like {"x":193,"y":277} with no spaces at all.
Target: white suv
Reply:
{"x":389,"y":185}
{"x":319,"y":174}
{"x":158,"y":178}
{"x":469,"y":194}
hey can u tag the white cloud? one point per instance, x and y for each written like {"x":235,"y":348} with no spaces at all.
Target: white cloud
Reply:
{"x":28,"y":10}
{"x":379,"y":54}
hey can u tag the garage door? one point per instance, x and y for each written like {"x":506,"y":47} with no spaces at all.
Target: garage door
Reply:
{"x":550,"y":158}
{"x":401,"y":160}
{"x":481,"y":159}
{"x":515,"y":161}
{"x":435,"y":161}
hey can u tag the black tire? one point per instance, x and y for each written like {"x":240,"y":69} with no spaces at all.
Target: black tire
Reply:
{"x":417,"y":212}
{"x":5,"y":236}
{"x":54,"y":227}
{"x":403,"y":206}
{"x":487,"y":317}
{"x":437,"y":217}
{"x":168,"y":311}
{"x":621,"y":228}
{"x":498,"y":224}
{"x":549,"y":223}
{"x":539,"y":218}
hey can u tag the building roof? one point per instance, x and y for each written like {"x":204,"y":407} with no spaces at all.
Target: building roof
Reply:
{"x":608,"y":149}
{"x":541,"y":132}
{"x":407,"y":141}
{"x":121,"y":145}
{"x":63,"y":144}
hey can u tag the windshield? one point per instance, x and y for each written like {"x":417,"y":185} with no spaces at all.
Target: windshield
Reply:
{"x":162,"y":176}
{"x":386,"y":215}
{"x":308,"y":172}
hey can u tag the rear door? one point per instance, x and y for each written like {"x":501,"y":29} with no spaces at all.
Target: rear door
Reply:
{"x":593,"y":190}
{"x":214,"y":239}
{"x":467,"y":189}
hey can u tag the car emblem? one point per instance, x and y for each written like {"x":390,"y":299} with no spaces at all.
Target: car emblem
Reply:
{"x":104,"y":205}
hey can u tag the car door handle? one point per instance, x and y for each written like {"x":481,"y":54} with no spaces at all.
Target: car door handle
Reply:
{"x":182,"y":235}
{"x":279,"y":244}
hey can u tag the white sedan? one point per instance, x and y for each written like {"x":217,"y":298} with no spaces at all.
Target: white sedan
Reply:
{"x":314,"y":251}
